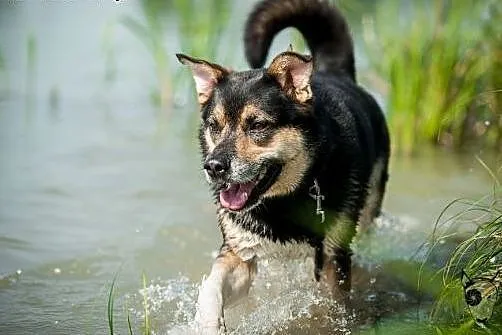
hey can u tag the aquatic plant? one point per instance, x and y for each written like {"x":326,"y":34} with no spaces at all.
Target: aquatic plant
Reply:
{"x":111,"y":303}
{"x":146,"y":318}
{"x":109,"y":53}
{"x":204,"y":33}
{"x":474,"y":270}
{"x":494,"y":51}
{"x":431,"y":63}
{"x":4,"y":80}
{"x":460,"y":296}
{"x":152,"y":34}
{"x":2,"y":61}
{"x":199,"y":24}
{"x":471,"y":280}
{"x":31,"y":59}
{"x":460,"y":278}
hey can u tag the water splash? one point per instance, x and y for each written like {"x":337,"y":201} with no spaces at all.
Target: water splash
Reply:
{"x":285,"y":299}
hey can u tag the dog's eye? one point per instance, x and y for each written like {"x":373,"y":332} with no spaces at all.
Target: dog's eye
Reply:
{"x":258,"y":125}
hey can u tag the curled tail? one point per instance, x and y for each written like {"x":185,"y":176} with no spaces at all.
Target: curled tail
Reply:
{"x":322,"y":25}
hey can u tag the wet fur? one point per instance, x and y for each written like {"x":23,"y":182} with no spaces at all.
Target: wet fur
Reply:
{"x":331,"y":131}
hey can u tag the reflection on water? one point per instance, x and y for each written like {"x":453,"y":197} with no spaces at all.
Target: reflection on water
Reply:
{"x":90,"y":184}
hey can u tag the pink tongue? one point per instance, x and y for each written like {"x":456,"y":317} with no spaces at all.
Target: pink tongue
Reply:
{"x":236,"y":195}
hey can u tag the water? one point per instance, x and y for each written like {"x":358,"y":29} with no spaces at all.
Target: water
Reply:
{"x":95,"y":181}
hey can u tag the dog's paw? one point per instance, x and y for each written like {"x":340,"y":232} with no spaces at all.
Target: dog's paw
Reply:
{"x":205,"y":327}
{"x":209,"y":305}
{"x":209,"y":316}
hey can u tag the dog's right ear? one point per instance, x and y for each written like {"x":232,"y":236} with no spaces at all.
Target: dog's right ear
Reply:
{"x":206,"y":75}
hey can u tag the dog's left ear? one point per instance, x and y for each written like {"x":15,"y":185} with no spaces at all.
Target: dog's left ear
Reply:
{"x":293,"y":72}
{"x":206,"y":75}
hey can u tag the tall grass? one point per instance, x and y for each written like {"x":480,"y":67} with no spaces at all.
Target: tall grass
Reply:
{"x":203,"y":33}
{"x":146,"y":328}
{"x":494,"y":32}
{"x":146,"y":319}
{"x":110,"y":304}
{"x":4,"y":80}
{"x":31,"y":63}
{"x":151,"y":32}
{"x":432,"y":62}
{"x":477,"y":258}
{"x":109,"y":53}
{"x":199,"y":24}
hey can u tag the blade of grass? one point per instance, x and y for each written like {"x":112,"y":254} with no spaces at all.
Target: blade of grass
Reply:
{"x":129,"y":326}
{"x":147,"y":330}
{"x":111,"y":303}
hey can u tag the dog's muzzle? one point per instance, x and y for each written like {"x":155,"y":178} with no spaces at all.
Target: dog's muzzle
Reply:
{"x":216,"y":168}
{"x":238,"y":183}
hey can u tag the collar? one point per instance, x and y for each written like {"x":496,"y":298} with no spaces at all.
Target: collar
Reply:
{"x":315,"y":193}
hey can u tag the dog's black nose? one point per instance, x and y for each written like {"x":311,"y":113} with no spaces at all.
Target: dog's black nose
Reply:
{"x":215,"y":168}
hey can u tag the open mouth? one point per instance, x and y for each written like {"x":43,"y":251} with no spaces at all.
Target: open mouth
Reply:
{"x":235,"y":196}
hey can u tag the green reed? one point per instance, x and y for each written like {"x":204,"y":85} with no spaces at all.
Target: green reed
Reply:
{"x":109,"y":53}
{"x":448,"y":314}
{"x":2,"y":62}
{"x":431,"y":62}
{"x":150,"y":30}
{"x":203,"y":31}
{"x":198,"y":24}
{"x":494,"y":41}
{"x":201,"y":24}
{"x":4,"y":78}
{"x":146,"y":320}
{"x":146,"y":328}
{"x":451,"y":251}
{"x":31,"y":61}
{"x":110,"y":304}
{"x":479,"y":255}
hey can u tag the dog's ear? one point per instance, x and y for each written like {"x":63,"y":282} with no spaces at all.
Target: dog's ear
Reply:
{"x":293,"y":72}
{"x":206,"y":75}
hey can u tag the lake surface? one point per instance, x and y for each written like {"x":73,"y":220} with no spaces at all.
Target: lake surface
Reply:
{"x":95,"y":181}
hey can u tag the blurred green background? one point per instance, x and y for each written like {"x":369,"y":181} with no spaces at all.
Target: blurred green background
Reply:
{"x":100,"y":170}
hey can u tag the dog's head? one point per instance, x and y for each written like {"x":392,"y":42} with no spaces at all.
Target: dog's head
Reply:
{"x":256,"y":128}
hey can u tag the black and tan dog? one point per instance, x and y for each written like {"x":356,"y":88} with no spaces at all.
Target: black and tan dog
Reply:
{"x":296,"y":153}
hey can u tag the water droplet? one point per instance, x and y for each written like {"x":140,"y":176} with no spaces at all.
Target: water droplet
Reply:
{"x":371,"y":297}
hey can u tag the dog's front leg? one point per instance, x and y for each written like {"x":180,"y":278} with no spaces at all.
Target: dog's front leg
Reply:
{"x":336,"y":258}
{"x":229,"y":280}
